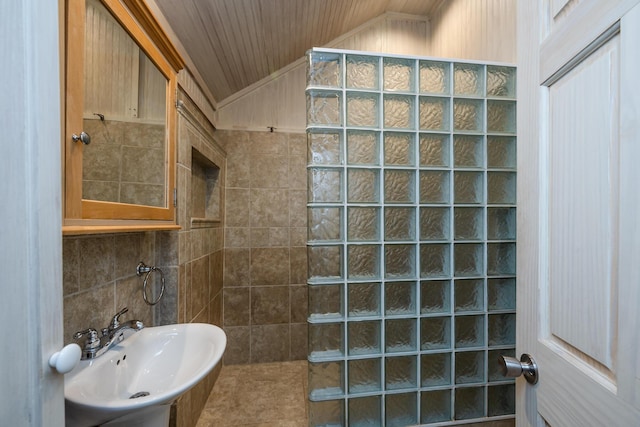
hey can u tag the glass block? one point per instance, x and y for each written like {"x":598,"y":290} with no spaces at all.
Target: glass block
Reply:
{"x":365,"y":411}
{"x":400,"y":372}
{"x":434,"y":149}
{"x":364,"y":299}
{"x":324,"y":147}
{"x":468,"y":115}
{"x":324,"y":224}
{"x":326,"y":340}
{"x":364,"y":337}
{"x":324,"y":69}
{"x":363,"y":186}
{"x":468,"y":259}
{"x":501,"y":81}
{"x":469,"y":295}
{"x":400,"y":261}
{"x":363,"y":262}
{"x":435,"y":296}
{"x":494,"y":370}
{"x":469,"y":403}
{"x":401,"y":410}
{"x":435,"y":260}
{"x":435,"y":369}
{"x":323,"y":108}
{"x":468,"y":223}
{"x":501,"y":400}
{"x":400,"y":335}
{"x":468,"y":151}
{"x":434,"y":113}
{"x":501,"y":188}
{"x":364,"y":375}
{"x":435,"y":406}
{"x":326,"y":379}
{"x":398,"y":111}
{"x":501,"y":294}
{"x":324,"y":185}
{"x":501,"y":329}
{"x":363,"y":224}
{"x":469,"y":367}
{"x":469,"y":331}
{"x":325,"y":301}
{"x":362,"y":109}
{"x":434,"y":186}
{"x":362,"y":72}
{"x":434,"y":77}
{"x":399,"y":149}
{"x":435,"y":223}
{"x":328,"y":413}
{"x":435,"y":333}
{"x":398,"y":74}
{"x":501,"y":116}
{"x":501,"y":259}
{"x":399,"y":298}
{"x":467,"y":187}
{"x":399,"y":186}
{"x":362,"y":147}
{"x":501,"y":223}
{"x":501,"y":152}
{"x":399,"y":224}
{"x":324,"y":262}
{"x":468,"y":79}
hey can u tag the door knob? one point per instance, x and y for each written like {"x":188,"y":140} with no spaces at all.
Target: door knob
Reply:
{"x":66,"y":359}
{"x":512,"y":367}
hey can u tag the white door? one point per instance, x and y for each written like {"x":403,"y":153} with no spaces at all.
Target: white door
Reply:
{"x":31,"y":393}
{"x":579,"y":211}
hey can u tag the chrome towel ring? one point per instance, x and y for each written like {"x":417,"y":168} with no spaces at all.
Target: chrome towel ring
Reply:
{"x":142,"y":269}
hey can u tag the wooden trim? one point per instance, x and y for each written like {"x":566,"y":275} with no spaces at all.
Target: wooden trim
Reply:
{"x":73,"y":109}
{"x":73,"y":230}
{"x":149,"y":23}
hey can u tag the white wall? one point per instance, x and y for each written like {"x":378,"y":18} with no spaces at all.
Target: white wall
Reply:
{"x":471,"y":29}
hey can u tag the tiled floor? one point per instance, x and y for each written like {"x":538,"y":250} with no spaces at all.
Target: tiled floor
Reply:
{"x":258,"y":395}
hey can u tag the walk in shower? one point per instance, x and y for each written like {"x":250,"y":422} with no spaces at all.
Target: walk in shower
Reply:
{"x":411,"y":239}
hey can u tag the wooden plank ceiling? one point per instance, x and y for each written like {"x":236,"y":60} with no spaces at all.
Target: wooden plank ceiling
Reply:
{"x":235,"y":43}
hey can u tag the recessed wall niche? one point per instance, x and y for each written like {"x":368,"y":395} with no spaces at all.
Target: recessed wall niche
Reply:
{"x":206,"y":192}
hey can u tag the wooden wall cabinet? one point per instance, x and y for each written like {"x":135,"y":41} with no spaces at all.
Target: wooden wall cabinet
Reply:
{"x":120,"y":88}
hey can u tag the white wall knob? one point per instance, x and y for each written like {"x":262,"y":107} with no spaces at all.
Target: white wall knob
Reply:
{"x":66,"y":359}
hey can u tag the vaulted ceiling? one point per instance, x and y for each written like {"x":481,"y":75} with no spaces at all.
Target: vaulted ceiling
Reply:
{"x":235,"y":43}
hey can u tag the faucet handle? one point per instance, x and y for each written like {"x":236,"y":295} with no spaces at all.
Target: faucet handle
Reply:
{"x":115,"y":321}
{"x":92,"y":340}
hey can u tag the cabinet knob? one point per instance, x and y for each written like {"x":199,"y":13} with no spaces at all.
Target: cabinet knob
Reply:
{"x":84,"y":138}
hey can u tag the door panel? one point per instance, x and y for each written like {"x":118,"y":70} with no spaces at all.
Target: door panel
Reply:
{"x":578,"y":212}
{"x":582,"y":194}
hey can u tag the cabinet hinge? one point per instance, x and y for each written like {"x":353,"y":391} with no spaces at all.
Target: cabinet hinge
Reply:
{"x":175,"y":197}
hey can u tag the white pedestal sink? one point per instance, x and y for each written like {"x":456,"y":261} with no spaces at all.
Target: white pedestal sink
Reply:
{"x":135,"y":382}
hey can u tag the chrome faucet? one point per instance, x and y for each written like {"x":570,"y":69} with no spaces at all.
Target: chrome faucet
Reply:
{"x":95,"y":346}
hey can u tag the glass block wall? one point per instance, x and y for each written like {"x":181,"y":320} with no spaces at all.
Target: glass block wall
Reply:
{"x":411,"y":239}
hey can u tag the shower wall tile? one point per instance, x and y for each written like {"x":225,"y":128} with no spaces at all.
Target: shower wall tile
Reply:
{"x":265,"y":243}
{"x":269,"y":266}
{"x":270,"y":305}
{"x":236,"y":306}
{"x":270,"y":343}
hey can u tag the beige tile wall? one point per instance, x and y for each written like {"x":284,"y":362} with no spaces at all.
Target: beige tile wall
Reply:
{"x":265,"y":267}
{"x":99,"y":270}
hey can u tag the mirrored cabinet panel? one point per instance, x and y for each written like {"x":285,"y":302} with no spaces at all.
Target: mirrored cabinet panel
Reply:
{"x":119,"y":146}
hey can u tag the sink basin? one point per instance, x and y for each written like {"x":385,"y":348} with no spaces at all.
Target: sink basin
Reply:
{"x":149,"y":368}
